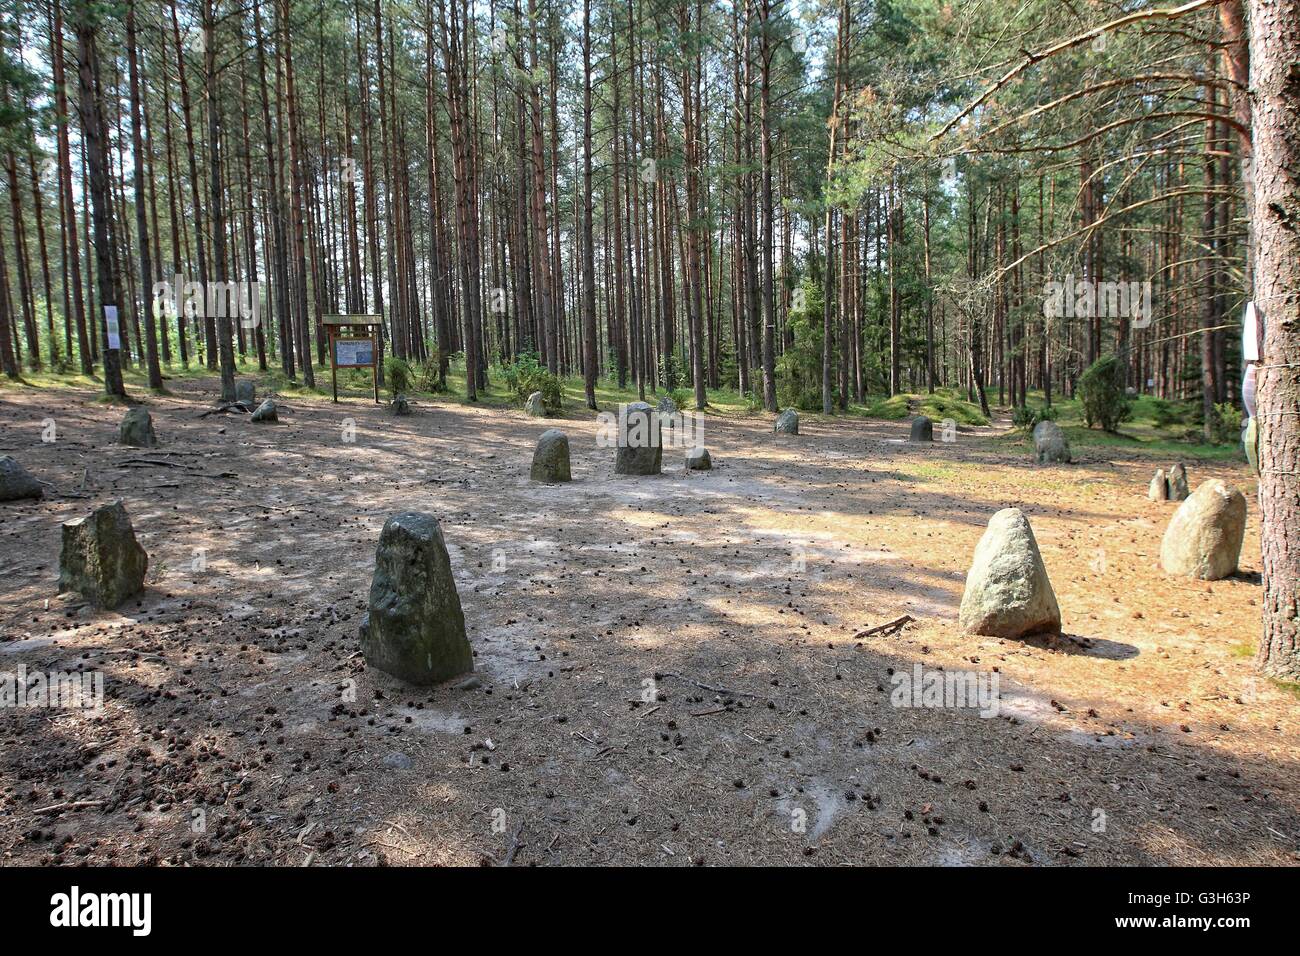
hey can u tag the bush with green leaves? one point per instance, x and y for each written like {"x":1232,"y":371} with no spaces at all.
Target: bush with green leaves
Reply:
{"x":426,"y":379}
{"x":799,"y":369}
{"x":398,"y":375}
{"x":526,"y":375}
{"x":1225,"y":423}
{"x":1102,"y":396}
{"x":1026,"y":416}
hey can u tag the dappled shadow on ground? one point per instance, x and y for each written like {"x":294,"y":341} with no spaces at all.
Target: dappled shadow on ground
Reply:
{"x":666,"y":669}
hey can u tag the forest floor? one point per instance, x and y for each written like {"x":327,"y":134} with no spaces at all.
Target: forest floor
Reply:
{"x":666,"y":668}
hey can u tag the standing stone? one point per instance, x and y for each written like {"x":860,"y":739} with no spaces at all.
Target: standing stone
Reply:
{"x":15,"y":482}
{"x":137,"y":429}
{"x":551,"y":459}
{"x":534,"y":405}
{"x":639,"y":450}
{"x":922,"y":429}
{"x":697,"y":459}
{"x":400,"y":405}
{"x":101,"y":558}
{"x":667,"y":406}
{"x":1178,"y":483}
{"x":415,"y":629}
{"x":1050,"y":445}
{"x":1159,"y":487}
{"x":1007,"y":592}
{"x":245,"y":391}
{"x":1204,"y":536}
{"x":787,"y":423}
{"x":266,"y":412}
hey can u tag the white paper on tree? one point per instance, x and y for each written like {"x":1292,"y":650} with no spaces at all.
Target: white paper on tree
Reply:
{"x":110,"y":323}
{"x":1250,"y":334}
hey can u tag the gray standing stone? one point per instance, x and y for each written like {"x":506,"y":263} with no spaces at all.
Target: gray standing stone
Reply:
{"x":639,"y":451}
{"x":266,"y":412}
{"x":1007,"y":591}
{"x":415,"y":629}
{"x":101,"y":558}
{"x":1204,"y":536}
{"x":137,"y":429}
{"x":922,"y":429}
{"x":15,"y":482}
{"x":697,"y":459}
{"x":245,"y":391}
{"x":1178,"y":489}
{"x":1050,"y":445}
{"x":551,"y":458}
{"x":534,"y":405}
{"x":1158,"y":490}
{"x":400,"y":405}
{"x":787,"y":423}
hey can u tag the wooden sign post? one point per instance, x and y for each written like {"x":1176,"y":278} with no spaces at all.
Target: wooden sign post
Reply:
{"x":354,"y":343}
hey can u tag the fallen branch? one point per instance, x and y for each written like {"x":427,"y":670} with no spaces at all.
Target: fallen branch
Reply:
{"x":889,"y":626}
{"x":74,"y":805}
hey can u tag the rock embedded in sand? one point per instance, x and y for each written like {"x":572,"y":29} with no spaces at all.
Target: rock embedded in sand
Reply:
{"x":137,"y":429}
{"x":1204,"y":536}
{"x":1178,"y":488}
{"x":101,"y":559}
{"x":415,"y":628}
{"x":640,"y":451}
{"x":245,"y":391}
{"x":16,"y":484}
{"x":1008,"y":593}
{"x":1158,"y":490}
{"x":266,"y":412}
{"x":922,"y":429}
{"x":787,"y":423}
{"x":1050,"y":444}
{"x":697,"y":459}
{"x":534,"y":405}
{"x":551,"y":458}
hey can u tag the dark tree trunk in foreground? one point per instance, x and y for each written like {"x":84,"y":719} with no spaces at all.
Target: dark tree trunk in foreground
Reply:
{"x":1274,"y":52}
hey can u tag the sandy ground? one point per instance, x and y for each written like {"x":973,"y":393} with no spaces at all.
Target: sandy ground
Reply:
{"x":666,"y":668}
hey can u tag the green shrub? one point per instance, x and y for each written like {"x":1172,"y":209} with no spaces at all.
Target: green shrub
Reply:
{"x":426,"y":379}
{"x":671,"y":375}
{"x":398,"y":375}
{"x":526,"y":375}
{"x":1026,"y":417}
{"x":1101,"y":393}
{"x":1166,"y":414}
{"x":799,"y":369}
{"x":681,"y":396}
{"x":1225,"y":424}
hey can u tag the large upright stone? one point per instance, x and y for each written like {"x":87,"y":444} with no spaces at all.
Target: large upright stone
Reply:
{"x":1178,"y":490}
{"x":922,"y":429}
{"x":415,"y":629}
{"x":551,"y":458}
{"x":245,"y":391}
{"x":1158,"y":490}
{"x":534,"y":405}
{"x":1204,"y":536}
{"x":1007,"y":591}
{"x":137,"y":429}
{"x":1050,"y":444}
{"x":639,"y":452}
{"x":101,"y":558}
{"x":15,"y":483}
{"x":266,"y":412}
{"x":787,"y":423}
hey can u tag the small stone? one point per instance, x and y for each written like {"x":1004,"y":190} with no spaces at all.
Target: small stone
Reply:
{"x":1050,"y":445}
{"x":1008,"y":593}
{"x":1159,"y":487}
{"x":266,"y":412}
{"x":398,"y":761}
{"x":101,"y":560}
{"x":245,"y":391}
{"x":534,"y":406}
{"x":922,"y":429}
{"x":1204,"y":536}
{"x":697,"y":459}
{"x":551,"y":458}
{"x":1178,"y":488}
{"x":137,"y":429}
{"x":415,"y":629}
{"x":16,"y":483}
{"x":400,"y":405}
{"x":787,"y":423}
{"x":640,"y":451}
